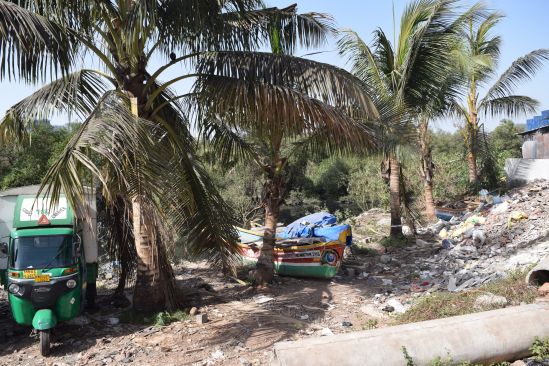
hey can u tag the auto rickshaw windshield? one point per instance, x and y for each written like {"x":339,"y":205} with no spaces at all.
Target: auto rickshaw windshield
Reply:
{"x":48,"y":251}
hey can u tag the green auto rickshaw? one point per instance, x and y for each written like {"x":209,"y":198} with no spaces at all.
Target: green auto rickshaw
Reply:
{"x":47,"y":277}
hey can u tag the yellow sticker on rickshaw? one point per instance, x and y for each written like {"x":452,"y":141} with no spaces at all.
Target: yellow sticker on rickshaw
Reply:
{"x":42,"y":278}
{"x":30,"y":273}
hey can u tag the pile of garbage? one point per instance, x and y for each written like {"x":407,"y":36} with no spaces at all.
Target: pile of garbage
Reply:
{"x":502,"y":234}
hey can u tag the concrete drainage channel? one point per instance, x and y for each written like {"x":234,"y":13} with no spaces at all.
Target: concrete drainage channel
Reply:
{"x":487,"y":337}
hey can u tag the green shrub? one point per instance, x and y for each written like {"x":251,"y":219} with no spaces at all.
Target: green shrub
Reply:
{"x":540,"y":349}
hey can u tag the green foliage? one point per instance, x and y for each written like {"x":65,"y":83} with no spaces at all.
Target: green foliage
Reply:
{"x":505,"y":140}
{"x":240,"y":186}
{"x":349,"y":185}
{"x":394,"y":242}
{"x":505,"y":144}
{"x":25,"y":166}
{"x":540,"y":349}
{"x":409,"y":360}
{"x":448,"y":361}
{"x":329,"y":180}
{"x":370,"y":324}
{"x":451,"y":181}
{"x":366,"y":187}
{"x":165,"y":318}
{"x":160,"y":319}
{"x":447,"y":143}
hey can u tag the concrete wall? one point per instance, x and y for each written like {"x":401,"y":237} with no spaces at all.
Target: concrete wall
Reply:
{"x":486,"y":337}
{"x":7,"y":205}
{"x":520,"y":171}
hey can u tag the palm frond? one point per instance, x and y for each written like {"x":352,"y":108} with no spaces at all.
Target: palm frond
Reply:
{"x":188,"y":26}
{"x":110,"y":132}
{"x":364,"y":64}
{"x":457,"y":110}
{"x":167,"y":176}
{"x":196,"y":211}
{"x":522,"y":69}
{"x":512,"y":105}
{"x":483,"y":48}
{"x":76,"y":93}
{"x":424,"y":54}
{"x":321,"y":143}
{"x":264,"y":109}
{"x":385,"y":56}
{"x":31,"y":46}
{"x":321,"y":81}
{"x":289,"y":29}
{"x":228,"y":144}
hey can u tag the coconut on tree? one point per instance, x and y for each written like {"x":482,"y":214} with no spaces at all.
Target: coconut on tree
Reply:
{"x":135,"y":140}
{"x":478,"y":58}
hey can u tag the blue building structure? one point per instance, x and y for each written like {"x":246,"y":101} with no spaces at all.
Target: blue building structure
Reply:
{"x":536,"y":137}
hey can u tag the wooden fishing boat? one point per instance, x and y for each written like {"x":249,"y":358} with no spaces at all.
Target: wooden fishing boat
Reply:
{"x":299,"y":257}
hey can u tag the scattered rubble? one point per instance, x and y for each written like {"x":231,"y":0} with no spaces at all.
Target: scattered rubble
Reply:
{"x":483,"y":244}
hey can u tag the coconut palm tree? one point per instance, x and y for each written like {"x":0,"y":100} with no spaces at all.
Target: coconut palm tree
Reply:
{"x":411,"y":72}
{"x":135,"y":140}
{"x":478,"y":58}
{"x":316,"y":110}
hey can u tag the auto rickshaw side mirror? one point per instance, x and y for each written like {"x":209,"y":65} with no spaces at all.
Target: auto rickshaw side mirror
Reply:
{"x":77,"y":246}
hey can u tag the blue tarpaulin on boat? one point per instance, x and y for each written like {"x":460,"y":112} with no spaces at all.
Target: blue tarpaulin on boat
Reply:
{"x":320,"y":225}
{"x":331,"y":233}
{"x":303,"y":227}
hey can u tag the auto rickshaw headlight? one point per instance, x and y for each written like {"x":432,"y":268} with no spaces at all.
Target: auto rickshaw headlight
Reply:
{"x":14,"y":288}
{"x":71,"y":283}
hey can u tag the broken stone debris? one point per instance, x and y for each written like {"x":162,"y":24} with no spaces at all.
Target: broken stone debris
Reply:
{"x":465,"y":252}
{"x":201,"y":318}
{"x":489,"y":300}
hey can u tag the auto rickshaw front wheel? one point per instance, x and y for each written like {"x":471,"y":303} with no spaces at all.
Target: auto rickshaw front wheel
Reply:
{"x":45,"y":342}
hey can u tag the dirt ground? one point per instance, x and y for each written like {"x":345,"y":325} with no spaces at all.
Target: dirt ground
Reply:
{"x":243,"y":323}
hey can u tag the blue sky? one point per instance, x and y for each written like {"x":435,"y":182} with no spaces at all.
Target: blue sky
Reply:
{"x":523,"y":30}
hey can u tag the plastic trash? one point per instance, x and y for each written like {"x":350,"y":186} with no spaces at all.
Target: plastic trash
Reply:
{"x":514,"y":217}
{"x":443,"y":234}
{"x":479,"y":236}
{"x":447,"y":244}
{"x":476,"y":220}
{"x":500,"y":208}
{"x":482,"y":195}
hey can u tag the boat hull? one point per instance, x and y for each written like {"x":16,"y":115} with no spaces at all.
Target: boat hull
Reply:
{"x":320,"y":260}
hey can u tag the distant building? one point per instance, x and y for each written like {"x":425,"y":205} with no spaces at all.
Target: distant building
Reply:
{"x":535,"y":153}
{"x":536,"y":137}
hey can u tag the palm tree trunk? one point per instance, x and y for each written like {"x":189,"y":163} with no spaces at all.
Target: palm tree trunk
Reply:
{"x":151,"y":277}
{"x":122,"y":278}
{"x":472,"y":165}
{"x":472,"y":136}
{"x":427,"y":169}
{"x":430,"y":209}
{"x":394,"y":196}
{"x":148,"y":293}
{"x":272,"y":199}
